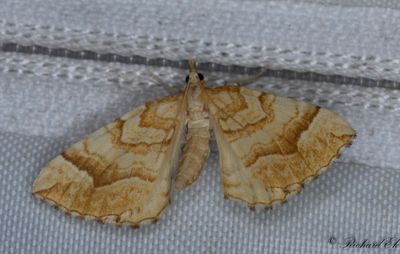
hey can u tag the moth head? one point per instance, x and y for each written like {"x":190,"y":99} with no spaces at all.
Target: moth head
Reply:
{"x":194,"y":77}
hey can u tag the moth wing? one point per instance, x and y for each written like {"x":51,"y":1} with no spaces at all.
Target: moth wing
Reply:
{"x":270,"y":145}
{"x":122,"y":172}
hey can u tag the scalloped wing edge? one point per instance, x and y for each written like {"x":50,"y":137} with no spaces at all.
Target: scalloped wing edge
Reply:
{"x":298,"y":187}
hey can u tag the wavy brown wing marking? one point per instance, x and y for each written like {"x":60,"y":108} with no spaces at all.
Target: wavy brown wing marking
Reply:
{"x":269,"y":145}
{"x":120,"y":173}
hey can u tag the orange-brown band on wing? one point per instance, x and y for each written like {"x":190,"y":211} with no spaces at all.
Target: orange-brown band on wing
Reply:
{"x":120,"y":173}
{"x":277,"y":145}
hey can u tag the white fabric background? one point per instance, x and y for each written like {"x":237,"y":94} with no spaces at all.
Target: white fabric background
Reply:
{"x":48,"y":103}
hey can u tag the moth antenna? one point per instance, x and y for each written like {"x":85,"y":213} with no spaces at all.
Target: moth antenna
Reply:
{"x":170,"y":89}
{"x":249,"y":80}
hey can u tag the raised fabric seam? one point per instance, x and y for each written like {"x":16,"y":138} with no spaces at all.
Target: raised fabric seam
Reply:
{"x":123,"y":77}
{"x":208,"y":66}
{"x":342,"y":64}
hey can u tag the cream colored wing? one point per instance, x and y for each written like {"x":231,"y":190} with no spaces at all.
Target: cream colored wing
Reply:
{"x":269,"y":145}
{"x":122,"y":172}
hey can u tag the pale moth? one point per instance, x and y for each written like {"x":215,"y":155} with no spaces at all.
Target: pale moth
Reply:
{"x":124,"y":172}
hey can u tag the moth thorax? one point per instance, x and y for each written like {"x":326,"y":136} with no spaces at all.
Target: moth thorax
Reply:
{"x":194,"y":101}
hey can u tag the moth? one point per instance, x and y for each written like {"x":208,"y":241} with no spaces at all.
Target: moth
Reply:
{"x":123,"y":173}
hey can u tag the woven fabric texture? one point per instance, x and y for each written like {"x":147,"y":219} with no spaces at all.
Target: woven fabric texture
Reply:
{"x":47,"y":103}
